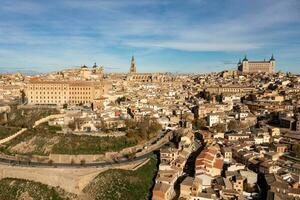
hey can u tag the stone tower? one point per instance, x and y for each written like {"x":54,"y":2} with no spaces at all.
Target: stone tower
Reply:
{"x":245,"y":64}
{"x":273,"y":64}
{"x":133,"y":66}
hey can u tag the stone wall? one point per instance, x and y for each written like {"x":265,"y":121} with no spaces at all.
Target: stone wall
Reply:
{"x":70,"y":179}
{"x":12,"y":136}
{"x":45,"y":119}
{"x":88,"y":158}
{"x":63,"y":158}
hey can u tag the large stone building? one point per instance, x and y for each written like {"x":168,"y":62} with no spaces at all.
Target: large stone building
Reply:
{"x":44,"y":92}
{"x":149,"y":77}
{"x":229,"y":89}
{"x":133,"y":76}
{"x":247,"y":66}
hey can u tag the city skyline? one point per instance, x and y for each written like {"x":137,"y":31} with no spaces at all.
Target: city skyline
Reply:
{"x":165,"y":36}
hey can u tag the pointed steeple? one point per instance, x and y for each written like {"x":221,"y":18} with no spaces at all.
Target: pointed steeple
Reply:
{"x":133,"y":65}
{"x":95,"y":65}
{"x":272,"y":58}
{"x":245,"y":58}
{"x":240,"y":62}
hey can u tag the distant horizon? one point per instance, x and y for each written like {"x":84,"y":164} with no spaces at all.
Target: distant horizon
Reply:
{"x":163,"y":36}
{"x":33,"y":72}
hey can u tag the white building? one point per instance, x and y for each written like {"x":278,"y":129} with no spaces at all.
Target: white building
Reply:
{"x":213,"y":119}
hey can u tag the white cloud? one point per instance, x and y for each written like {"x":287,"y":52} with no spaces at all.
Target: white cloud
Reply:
{"x":76,"y":32}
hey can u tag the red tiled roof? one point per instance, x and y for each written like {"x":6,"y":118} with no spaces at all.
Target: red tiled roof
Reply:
{"x":218,"y":164}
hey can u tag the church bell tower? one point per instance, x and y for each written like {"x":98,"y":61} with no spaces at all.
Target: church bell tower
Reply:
{"x":133,"y":66}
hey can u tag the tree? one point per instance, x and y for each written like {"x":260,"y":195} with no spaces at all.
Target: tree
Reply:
{"x":219,"y":98}
{"x":233,"y":125}
{"x":130,"y":156}
{"x":65,"y":106}
{"x":219,"y":128}
{"x":23,"y":95}
{"x":200,"y":123}
{"x":131,"y":124}
{"x":272,"y":86}
{"x":142,"y":130}
{"x":120,"y":99}
{"x":82,"y":162}
{"x":130,"y":134}
{"x":205,"y":95}
{"x":50,"y":162}
{"x":92,"y":106}
{"x":296,"y":150}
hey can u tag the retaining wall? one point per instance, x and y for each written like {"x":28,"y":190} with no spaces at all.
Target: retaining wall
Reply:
{"x":72,"y":180}
{"x":12,"y":136}
{"x":45,"y":119}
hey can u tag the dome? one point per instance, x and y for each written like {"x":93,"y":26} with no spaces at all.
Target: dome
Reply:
{"x":95,"y":65}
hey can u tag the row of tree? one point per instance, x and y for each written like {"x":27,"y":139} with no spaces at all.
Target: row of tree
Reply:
{"x":142,"y":130}
{"x":208,"y":97}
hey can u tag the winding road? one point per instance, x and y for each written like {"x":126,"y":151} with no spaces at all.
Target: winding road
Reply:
{"x":146,"y":153}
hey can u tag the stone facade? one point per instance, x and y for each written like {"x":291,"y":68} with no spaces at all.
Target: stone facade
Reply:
{"x":247,"y":66}
{"x":133,"y":76}
{"x":61,"y":92}
{"x":229,"y":89}
{"x":149,"y":77}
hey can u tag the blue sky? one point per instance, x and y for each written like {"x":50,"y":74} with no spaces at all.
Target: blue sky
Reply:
{"x":164,"y":35}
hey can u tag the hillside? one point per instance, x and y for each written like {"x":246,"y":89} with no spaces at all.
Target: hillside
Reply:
{"x":15,"y":189}
{"x":123,"y":184}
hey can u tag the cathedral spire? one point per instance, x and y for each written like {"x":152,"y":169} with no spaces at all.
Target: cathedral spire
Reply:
{"x":272,"y":58}
{"x":133,"y":65}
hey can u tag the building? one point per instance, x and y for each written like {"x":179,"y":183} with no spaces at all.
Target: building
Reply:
{"x":298,"y":122}
{"x":213,"y":118}
{"x":133,"y":76}
{"x":132,"y":66}
{"x":247,"y":66}
{"x":227,"y":153}
{"x":163,"y":191}
{"x":189,"y":187}
{"x":210,"y":162}
{"x":186,"y":187}
{"x":229,"y":90}
{"x":149,"y":77}
{"x":228,"y":73}
{"x":41,"y":92}
{"x":238,"y":183}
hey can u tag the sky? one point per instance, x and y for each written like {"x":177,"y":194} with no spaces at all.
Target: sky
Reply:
{"x":179,"y":36}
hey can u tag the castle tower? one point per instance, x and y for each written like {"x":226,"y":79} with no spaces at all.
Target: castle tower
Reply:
{"x":245,"y":64}
{"x":273,"y":64}
{"x":133,"y":66}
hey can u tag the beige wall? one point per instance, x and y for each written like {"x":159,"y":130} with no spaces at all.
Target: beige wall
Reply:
{"x":263,"y":66}
{"x":70,"y":179}
{"x":45,"y":92}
